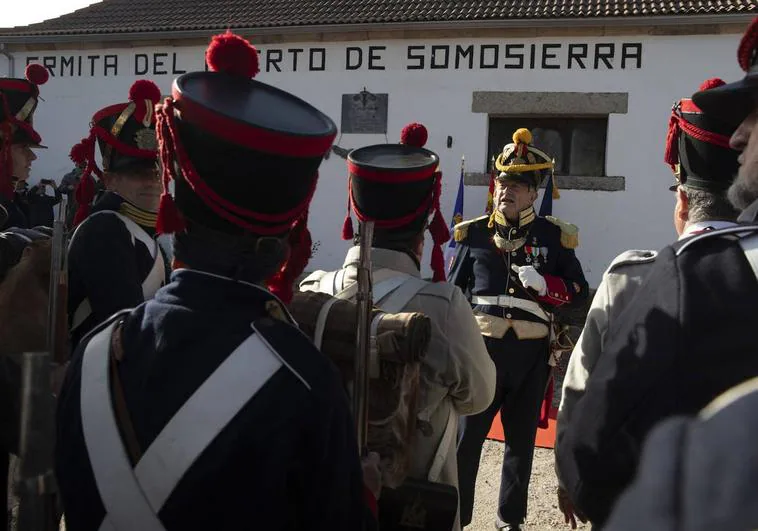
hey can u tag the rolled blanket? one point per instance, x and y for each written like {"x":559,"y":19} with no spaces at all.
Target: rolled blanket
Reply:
{"x":400,"y":343}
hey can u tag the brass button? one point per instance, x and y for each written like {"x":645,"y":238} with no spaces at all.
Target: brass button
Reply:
{"x":511,"y":290}
{"x":507,"y":316}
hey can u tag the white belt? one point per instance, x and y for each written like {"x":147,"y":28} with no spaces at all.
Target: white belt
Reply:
{"x":155,"y":279}
{"x":509,"y":301}
{"x":133,"y":497}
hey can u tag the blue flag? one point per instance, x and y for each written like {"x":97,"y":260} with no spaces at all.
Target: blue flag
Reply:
{"x":546,"y":208}
{"x":457,"y":218}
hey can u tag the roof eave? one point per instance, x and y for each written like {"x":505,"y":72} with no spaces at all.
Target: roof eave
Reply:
{"x":631,"y":21}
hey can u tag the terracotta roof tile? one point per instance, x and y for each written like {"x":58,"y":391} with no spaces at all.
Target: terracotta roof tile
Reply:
{"x":131,"y":16}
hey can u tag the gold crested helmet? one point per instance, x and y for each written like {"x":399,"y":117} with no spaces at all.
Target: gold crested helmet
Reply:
{"x":522,"y":161}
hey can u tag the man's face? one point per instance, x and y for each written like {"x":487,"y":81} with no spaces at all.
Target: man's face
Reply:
{"x":141,"y":187}
{"x":511,"y":197}
{"x":744,"y":190}
{"x":22,"y":156}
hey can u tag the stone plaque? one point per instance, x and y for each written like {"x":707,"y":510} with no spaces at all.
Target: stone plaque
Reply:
{"x":364,"y":113}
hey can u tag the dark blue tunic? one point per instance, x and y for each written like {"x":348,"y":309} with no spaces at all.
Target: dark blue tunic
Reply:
{"x":288,"y":460}
{"x":685,"y":338}
{"x":105,"y":267}
{"x":697,"y":474}
{"x":483,"y":269}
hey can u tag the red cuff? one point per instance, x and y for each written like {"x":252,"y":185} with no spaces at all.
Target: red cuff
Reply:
{"x":557,"y":291}
{"x":370,"y":500}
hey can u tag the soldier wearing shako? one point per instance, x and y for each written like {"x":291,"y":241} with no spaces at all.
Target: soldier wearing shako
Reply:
{"x":517,"y":267}
{"x":698,"y":153}
{"x":18,"y":101}
{"x":397,"y":186}
{"x":114,"y":259}
{"x":225,"y":415}
{"x":685,"y":337}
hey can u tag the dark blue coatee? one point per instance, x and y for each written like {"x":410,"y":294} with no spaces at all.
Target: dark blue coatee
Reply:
{"x":224,"y":415}
{"x":516,"y":273}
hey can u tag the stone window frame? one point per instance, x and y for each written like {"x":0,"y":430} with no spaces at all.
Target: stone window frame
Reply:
{"x":553,"y":104}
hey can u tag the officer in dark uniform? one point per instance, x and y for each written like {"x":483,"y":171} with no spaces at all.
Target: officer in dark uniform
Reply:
{"x":684,"y":339}
{"x":114,"y":259}
{"x":227,"y":416}
{"x":517,"y":267}
{"x":17,"y":139}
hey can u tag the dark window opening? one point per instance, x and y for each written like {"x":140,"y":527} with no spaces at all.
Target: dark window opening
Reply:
{"x":576,"y":144}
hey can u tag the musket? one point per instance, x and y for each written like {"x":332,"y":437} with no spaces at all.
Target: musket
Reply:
{"x":364,"y":300}
{"x":35,"y":481}
{"x":57,"y":319}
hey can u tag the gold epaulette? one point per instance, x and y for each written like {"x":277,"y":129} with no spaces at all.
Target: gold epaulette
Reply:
{"x":460,"y":231}
{"x":569,"y":232}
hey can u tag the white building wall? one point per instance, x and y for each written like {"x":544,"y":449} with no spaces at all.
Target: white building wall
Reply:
{"x":610,"y":222}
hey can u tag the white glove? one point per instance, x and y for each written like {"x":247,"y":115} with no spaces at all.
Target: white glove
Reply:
{"x":530,"y":278}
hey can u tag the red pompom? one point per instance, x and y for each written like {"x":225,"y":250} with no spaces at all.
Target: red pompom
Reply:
{"x":414,"y":135}
{"x":36,"y":73}
{"x":748,"y":45}
{"x":79,"y":153}
{"x":231,"y":54}
{"x":711,"y":83}
{"x":144,"y":89}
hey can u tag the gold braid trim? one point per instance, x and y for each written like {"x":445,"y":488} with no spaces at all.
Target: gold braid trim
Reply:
{"x":139,"y":216}
{"x":115,"y":131}
{"x":521,"y":168}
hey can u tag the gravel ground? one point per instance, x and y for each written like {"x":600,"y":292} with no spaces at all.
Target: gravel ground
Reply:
{"x":542,"y":514}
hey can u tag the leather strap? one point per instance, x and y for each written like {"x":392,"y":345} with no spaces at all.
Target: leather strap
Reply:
{"x":447,"y":438}
{"x":123,"y":418}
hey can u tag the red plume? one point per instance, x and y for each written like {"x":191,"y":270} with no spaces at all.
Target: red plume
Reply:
{"x":78,"y":153}
{"x":142,"y":91}
{"x":414,"y":135}
{"x":714,"y":82}
{"x":36,"y":73}
{"x":233,"y":55}
{"x":748,"y":44}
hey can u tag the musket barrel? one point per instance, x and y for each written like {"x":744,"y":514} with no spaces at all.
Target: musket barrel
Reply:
{"x":56,"y":263}
{"x":35,"y":482}
{"x":364,"y":299}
